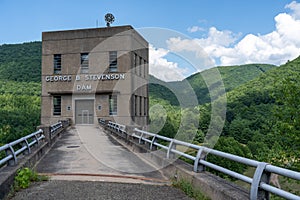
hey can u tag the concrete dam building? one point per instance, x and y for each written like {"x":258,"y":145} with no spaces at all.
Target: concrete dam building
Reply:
{"x":93,"y":74}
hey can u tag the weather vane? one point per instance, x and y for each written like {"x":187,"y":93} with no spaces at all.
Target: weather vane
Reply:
{"x":109,"y":18}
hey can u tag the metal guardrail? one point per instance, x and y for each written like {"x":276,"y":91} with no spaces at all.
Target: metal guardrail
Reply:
{"x":55,"y":127}
{"x":101,"y":121}
{"x":259,"y":182}
{"x":26,"y":143}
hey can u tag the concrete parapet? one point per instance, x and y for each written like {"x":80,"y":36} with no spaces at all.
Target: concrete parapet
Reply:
{"x":8,"y":173}
{"x":212,"y":186}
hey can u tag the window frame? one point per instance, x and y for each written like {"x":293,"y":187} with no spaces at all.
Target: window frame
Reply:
{"x":113,"y":104}
{"x":113,"y":61}
{"x":84,"y":63}
{"x":57,"y":64}
{"x":57,"y":105}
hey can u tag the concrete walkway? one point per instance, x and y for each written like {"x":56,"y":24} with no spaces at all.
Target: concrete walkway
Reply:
{"x":87,"y":153}
{"x":87,"y":164}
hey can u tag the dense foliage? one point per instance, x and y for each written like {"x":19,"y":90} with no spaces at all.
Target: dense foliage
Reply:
{"x":20,"y":88}
{"x":21,"y":62}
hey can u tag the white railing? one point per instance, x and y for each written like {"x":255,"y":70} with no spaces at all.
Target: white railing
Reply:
{"x":25,"y":143}
{"x":259,"y":182}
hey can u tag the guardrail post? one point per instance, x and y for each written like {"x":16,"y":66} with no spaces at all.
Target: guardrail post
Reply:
{"x":152,"y":146}
{"x":169,"y":153}
{"x":141,"y":141}
{"x":260,"y":175}
{"x":201,"y":155}
{"x":10,"y":151}
{"x":28,"y":150}
{"x":47,"y":132}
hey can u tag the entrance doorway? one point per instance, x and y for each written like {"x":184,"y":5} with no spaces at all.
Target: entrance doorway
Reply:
{"x":84,"y":111}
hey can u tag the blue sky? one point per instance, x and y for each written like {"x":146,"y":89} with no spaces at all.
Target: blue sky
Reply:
{"x":220,"y":27}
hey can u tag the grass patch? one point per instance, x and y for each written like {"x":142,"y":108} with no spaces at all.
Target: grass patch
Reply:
{"x":189,"y":190}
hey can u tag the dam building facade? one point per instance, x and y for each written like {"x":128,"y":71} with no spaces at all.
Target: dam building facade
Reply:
{"x":93,"y":74}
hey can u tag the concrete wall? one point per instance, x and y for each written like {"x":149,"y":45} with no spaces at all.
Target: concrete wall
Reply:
{"x":97,"y":42}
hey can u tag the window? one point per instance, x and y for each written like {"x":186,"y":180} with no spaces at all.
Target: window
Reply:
{"x":141,"y":104}
{"x":145,"y":106}
{"x":57,"y":63}
{"x":113,"y":61}
{"x":135,"y":63}
{"x":137,"y":67}
{"x":113,"y":104}
{"x":136,"y":105}
{"x":145,"y":69}
{"x":84,"y":62}
{"x":140,"y":66}
{"x":57,"y":105}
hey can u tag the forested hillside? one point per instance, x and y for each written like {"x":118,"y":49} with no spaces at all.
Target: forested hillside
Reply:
{"x":262,"y":117}
{"x":21,"y":62}
{"x":20,"y":88}
{"x":232,"y":77}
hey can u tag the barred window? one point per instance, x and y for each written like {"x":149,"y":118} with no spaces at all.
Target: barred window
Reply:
{"x":135,"y":57}
{"x":145,"y":106}
{"x":57,"y":105}
{"x":113,"y":103}
{"x":57,"y":63}
{"x":84,"y":63}
{"x":141,"y":106}
{"x":140,"y":66}
{"x":113,"y":61}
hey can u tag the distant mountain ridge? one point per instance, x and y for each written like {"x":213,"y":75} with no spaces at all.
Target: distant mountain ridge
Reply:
{"x":21,"y":62}
{"x":232,"y":77}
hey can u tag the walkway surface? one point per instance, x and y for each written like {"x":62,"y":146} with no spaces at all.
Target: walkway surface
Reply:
{"x":86,"y":151}
{"x":86,"y":163}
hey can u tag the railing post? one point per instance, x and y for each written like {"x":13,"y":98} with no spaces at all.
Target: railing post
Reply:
{"x":154,"y":139}
{"x":36,"y":139}
{"x":260,"y":175}
{"x":47,"y":133}
{"x":171,"y":146}
{"x":10,"y":151}
{"x":140,"y":140}
{"x":201,"y":155}
{"x":28,"y":150}
{"x":129,"y":131}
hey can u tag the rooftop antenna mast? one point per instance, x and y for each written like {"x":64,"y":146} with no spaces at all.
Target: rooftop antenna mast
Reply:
{"x":109,"y":19}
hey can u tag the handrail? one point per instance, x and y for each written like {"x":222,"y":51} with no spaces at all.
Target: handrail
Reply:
{"x":26,"y":143}
{"x":55,"y":127}
{"x":257,"y":181}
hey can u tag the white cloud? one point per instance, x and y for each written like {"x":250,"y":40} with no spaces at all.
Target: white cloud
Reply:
{"x":194,"y":29}
{"x":295,"y":7}
{"x":163,"y":69}
{"x":227,"y":48}
{"x":191,"y":51}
